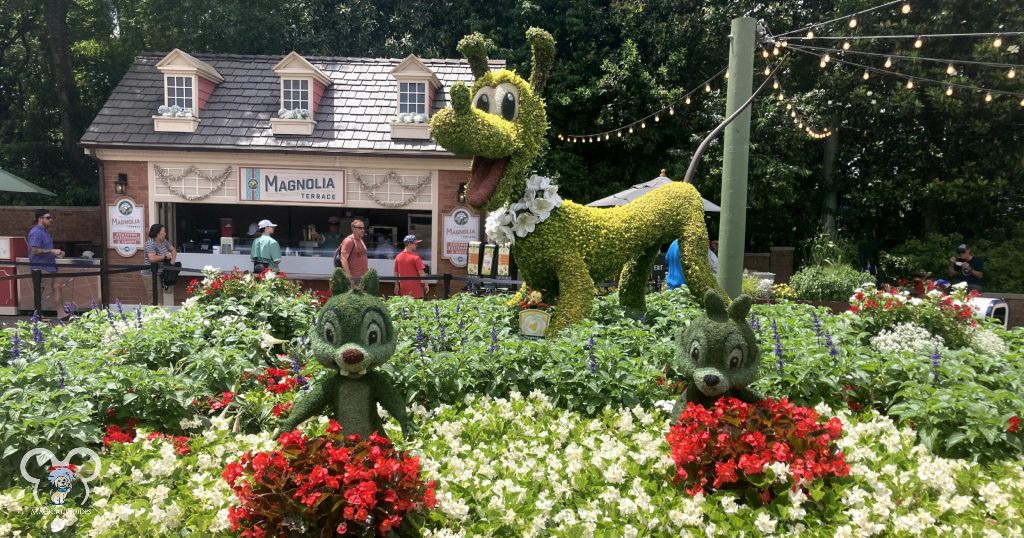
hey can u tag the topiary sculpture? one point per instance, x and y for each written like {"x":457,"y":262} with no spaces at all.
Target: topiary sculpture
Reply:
{"x":353,"y":334}
{"x":718,"y":354}
{"x":559,"y":246}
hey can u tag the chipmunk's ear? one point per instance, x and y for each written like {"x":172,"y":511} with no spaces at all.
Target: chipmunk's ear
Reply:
{"x":543,"y":57}
{"x":474,"y":47}
{"x":339,"y":282}
{"x":370,"y":282}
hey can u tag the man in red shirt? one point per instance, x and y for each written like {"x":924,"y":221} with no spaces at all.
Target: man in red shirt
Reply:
{"x":408,"y":264}
{"x":352,"y":252}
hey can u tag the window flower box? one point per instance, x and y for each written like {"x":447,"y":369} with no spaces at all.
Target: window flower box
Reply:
{"x":415,"y":131}
{"x":175,"y":124}
{"x":292,"y":126}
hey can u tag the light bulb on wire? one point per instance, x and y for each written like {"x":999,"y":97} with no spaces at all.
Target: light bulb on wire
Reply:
{"x":810,"y":34}
{"x":906,"y":8}
{"x":775,"y":85}
{"x":988,"y":97}
{"x":846,"y":45}
{"x":687,"y":99}
{"x":949,"y":90}
{"x":997,"y":42}
{"x":643,"y":125}
{"x":618,"y":134}
{"x":656,"y":118}
{"x":630,"y":129}
{"x":1012,"y":73}
{"x":767,"y":71}
{"x":764,"y":53}
{"x":866,"y":75}
{"x":918,"y":43}
{"x":707,"y":87}
{"x":888,"y":62}
{"x":671,"y":111}
{"x":853,"y":22}
{"x":910,"y":84}
{"x":775,"y":51}
{"x":951,"y":70}
{"x":789,"y":106}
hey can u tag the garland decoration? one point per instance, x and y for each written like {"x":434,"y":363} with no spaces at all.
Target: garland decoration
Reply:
{"x":167,"y":178}
{"x":521,"y":218}
{"x":369,"y":187}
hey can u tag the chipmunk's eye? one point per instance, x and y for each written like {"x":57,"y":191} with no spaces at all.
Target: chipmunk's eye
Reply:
{"x":373,"y":333}
{"x":508,"y":106}
{"x":695,"y":351}
{"x":735,"y":358}
{"x":329,"y":332}
{"x":483,"y":102}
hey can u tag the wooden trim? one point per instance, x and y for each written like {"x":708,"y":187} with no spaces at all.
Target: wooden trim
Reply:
{"x":286,"y":159}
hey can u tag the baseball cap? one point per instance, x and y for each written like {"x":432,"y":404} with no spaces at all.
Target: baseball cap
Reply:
{"x":962,"y":248}
{"x":266,"y":223}
{"x":411,"y":239}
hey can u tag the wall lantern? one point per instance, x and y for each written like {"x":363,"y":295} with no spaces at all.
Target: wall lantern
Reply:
{"x":462,"y":193}
{"x":121,"y":185}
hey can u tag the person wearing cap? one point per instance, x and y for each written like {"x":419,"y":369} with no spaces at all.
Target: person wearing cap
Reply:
{"x":265,"y":250}
{"x":43,"y":257}
{"x":409,"y":264}
{"x":351,"y":256}
{"x":332,"y":237}
{"x":970,"y":267}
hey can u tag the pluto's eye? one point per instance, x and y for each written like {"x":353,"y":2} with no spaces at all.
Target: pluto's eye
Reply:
{"x":508,"y":106}
{"x":373,"y":333}
{"x":483,"y":102}
{"x":735,"y":358}
{"x":695,"y":351}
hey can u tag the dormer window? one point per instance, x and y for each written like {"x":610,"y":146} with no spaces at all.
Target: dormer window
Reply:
{"x":302,"y":86}
{"x":412,"y":98}
{"x":179,"y":92}
{"x":416,"y":86}
{"x":295,"y":94}
{"x":188,"y":84}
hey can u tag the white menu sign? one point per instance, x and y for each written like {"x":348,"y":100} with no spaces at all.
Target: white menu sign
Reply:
{"x":278,"y":185}
{"x":460,"y":227}
{"x":127,"y":229}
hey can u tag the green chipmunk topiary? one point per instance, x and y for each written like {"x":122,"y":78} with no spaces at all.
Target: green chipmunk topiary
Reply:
{"x":353,"y":334}
{"x":558,"y":245}
{"x":718,"y":354}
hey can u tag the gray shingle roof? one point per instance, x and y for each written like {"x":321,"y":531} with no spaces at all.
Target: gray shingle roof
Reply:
{"x":353,"y":116}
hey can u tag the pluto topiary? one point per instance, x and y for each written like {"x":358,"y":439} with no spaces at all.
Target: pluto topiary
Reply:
{"x":353,"y":335}
{"x":718,"y":354}
{"x":559,"y":246}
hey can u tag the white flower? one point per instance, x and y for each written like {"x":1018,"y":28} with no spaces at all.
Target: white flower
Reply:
{"x":525,"y":224}
{"x":960,"y":285}
{"x":764,"y":523}
{"x":269,"y":341}
{"x":536,"y":183}
{"x":63,"y":521}
{"x":541,"y":207}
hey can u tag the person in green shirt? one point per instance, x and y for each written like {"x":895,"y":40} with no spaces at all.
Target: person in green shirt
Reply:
{"x":265,"y":250}
{"x":331,"y":239}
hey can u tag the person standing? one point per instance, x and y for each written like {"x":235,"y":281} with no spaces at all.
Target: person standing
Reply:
{"x":713,"y":256}
{"x":331,"y":239}
{"x":409,"y":264}
{"x":970,"y":267}
{"x":43,"y":257}
{"x":265,"y":250}
{"x":351,"y":255}
{"x":157,"y":250}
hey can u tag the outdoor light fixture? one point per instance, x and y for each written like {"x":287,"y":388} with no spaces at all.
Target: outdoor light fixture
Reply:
{"x":121,"y":185}
{"x":462,"y":193}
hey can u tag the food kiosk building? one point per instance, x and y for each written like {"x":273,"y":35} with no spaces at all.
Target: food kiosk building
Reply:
{"x":210,"y":144}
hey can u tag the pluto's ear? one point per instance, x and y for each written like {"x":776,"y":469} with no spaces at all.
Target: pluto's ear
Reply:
{"x":339,"y":282}
{"x":714,"y":305}
{"x":543,"y":57}
{"x":474,"y":47}
{"x":370,"y":282}
{"x":740,"y":307}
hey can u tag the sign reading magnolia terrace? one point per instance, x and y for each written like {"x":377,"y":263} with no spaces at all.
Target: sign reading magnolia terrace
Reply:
{"x":290,"y":186}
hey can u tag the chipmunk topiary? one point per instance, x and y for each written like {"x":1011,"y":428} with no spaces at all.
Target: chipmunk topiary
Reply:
{"x":718,"y":354}
{"x":501,"y":121}
{"x":353,"y":334}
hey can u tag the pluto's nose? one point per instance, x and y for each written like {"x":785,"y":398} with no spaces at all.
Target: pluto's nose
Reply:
{"x":352,"y":356}
{"x":711,"y":380}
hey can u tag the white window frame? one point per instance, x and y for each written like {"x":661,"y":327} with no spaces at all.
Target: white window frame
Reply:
{"x":405,"y":91}
{"x":192,"y":91}
{"x":308,"y":91}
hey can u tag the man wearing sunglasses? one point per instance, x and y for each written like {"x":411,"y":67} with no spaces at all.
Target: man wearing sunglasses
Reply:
{"x":351,"y":256}
{"x":43,"y":257}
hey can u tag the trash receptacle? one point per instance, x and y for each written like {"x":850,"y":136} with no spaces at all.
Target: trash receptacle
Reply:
{"x":991,"y":307}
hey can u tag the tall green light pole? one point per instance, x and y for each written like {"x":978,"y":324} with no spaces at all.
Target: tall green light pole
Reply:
{"x":732,"y":232}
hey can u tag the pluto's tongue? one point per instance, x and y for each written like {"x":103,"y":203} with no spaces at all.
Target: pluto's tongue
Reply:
{"x":486,"y":173}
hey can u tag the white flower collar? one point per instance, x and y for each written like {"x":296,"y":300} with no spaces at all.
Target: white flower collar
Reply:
{"x":521,"y":218}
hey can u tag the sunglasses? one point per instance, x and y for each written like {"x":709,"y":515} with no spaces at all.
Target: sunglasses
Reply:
{"x":48,"y":217}
{"x":358,"y":227}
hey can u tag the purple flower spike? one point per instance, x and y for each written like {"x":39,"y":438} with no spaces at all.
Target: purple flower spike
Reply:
{"x":15,"y":347}
{"x":494,"y":341}
{"x":62,"y":374}
{"x":936,"y":358}
{"x":592,"y":363}
{"x":420,"y":338}
{"x":35,"y":316}
{"x":755,"y":325}
{"x":37,"y":335}
{"x":778,"y":346}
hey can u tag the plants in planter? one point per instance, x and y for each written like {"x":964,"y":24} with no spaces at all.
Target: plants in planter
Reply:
{"x":410,"y":118}
{"x":293,"y":114}
{"x":946,"y":315}
{"x":174,"y":111}
{"x":828,"y":283}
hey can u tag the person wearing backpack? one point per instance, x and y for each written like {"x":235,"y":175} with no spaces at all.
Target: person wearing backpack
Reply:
{"x":158,"y":250}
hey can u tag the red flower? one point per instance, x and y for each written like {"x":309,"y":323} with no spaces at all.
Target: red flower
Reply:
{"x":114,"y":434}
{"x":225,"y":399}
{"x":280,"y":408}
{"x":1014,"y":424}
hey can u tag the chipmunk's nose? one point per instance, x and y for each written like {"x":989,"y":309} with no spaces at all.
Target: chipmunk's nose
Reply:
{"x":711,"y":380}
{"x":352,"y":356}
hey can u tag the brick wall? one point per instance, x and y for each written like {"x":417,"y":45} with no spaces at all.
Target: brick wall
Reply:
{"x":448,"y":199}
{"x":128,"y":287}
{"x":69,"y":223}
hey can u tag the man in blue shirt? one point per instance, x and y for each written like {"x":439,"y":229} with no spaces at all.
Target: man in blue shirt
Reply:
{"x":43,"y":257}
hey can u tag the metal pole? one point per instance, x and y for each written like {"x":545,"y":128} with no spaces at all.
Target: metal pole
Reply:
{"x":736,"y":153}
{"x":154,"y":268}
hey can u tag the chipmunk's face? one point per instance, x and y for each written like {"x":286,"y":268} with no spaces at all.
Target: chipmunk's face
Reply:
{"x":353,"y":332}
{"x":719,"y":350}
{"x":499,"y":122}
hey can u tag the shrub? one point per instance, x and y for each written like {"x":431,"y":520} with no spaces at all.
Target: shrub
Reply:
{"x":946,"y":315}
{"x":332,"y":482}
{"x":833,"y":283}
{"x":828,"y":250}
{"x":758,"y":288}
{"x":748,"y":447}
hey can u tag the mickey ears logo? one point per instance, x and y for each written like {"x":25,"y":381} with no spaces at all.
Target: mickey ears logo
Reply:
{"x":61,"y":474}
{"x":125,"y":207}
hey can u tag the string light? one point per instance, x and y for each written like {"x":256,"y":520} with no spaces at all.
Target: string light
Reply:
{"x":727,"y":75}
{"x":866,"y":75}
{"x":630,"y":129}
{"x":918,"y":43}
{"x":951,"y":70}
{"x":775,"y":51}
{"x":888,"y":63}
{"x":671,"y":111}
{"x":788,"y":106}
{"x":910,"y":84}
{"x":988,"y":97}
{"x":1022,"y":102}
{"x":607,"y":136}
{"x":764,"y":54}
{"x":618,"y":134}
{"x":643,"y":125}
{"x":687,"y":99}
{"x":767,"y":71}
{"x":906,"y":8}
{"x":707,"y":87}
{"x":775,"y":85}
{"x":1012,"y":73}
{"x":810,"y":34}
{"x":997,"y":42}
{"x":949,"y":90}
{"x":846,"y":45}
{"x":656,"y":118}
{"x":853,"y":22}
